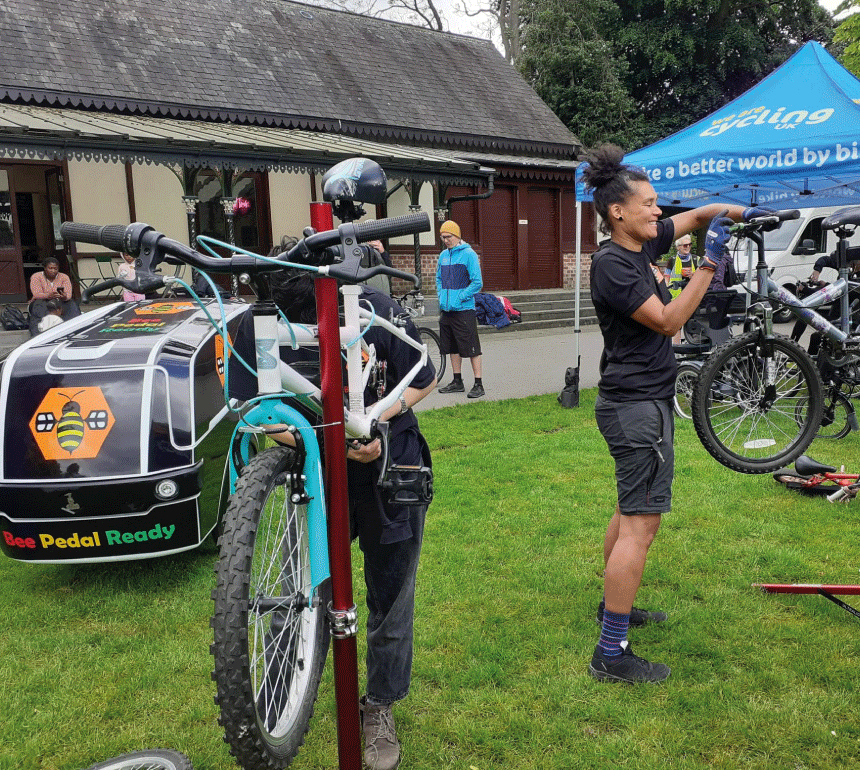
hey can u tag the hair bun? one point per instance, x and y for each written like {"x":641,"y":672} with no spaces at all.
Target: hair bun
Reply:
{"x":604,"y":165}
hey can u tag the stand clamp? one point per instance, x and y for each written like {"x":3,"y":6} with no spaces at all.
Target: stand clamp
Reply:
{"x":343,"y":623}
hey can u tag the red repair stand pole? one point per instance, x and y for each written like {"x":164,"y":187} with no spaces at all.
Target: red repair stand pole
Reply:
{"x":334,"y":439}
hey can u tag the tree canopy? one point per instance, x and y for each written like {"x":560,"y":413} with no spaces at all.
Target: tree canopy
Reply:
{"x":848,"y":35}
{"x":634,"y":71}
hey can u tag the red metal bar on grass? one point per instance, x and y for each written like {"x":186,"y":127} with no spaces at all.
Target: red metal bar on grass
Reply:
{"x":807,"y":588}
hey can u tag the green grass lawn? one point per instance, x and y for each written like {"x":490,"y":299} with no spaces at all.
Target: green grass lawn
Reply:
{"x":97,"y":660}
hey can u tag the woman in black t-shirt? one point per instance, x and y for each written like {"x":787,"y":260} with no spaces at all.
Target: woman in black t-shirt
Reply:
{"x":638,"y":317}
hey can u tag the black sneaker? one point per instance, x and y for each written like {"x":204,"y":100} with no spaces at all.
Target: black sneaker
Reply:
{"x":455,"y":386}
{"x":638,"y":617}
{"x":476,"y":392}
{"x":628,"y":668}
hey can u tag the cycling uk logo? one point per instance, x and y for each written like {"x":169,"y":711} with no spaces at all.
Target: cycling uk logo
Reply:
{"x":71,"y":423}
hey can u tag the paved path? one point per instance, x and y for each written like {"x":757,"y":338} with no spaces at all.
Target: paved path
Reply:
{"x":519,"y":364}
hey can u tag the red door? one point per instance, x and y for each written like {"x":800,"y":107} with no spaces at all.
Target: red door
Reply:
{"x":499,"y":240}
{"x":544,"y":258}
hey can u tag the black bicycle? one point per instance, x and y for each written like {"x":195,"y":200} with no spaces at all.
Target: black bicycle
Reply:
{"x":759,"y":399}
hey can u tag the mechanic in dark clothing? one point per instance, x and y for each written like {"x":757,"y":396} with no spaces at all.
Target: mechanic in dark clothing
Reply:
{"x":638,"y":317}
{"x":389,"y":535}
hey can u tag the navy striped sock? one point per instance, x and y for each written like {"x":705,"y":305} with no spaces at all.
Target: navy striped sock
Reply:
{"x":613,"y":632}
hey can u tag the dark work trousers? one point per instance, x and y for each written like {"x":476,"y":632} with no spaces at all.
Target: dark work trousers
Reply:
{"x":389,"y":574}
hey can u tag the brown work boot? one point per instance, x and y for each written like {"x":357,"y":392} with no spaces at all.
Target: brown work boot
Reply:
{"x":381,"y":747}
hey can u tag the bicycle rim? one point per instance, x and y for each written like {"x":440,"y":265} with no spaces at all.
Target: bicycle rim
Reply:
{"x":271,"y":634}
{"x":834,"y":417}
{"x":749,"y":422}
{"x":434,"y":351}
{"x":684,"y":384}
{"x":151,"y":759}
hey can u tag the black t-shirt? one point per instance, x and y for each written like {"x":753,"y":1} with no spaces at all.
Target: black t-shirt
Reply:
{"x":637,"y":363}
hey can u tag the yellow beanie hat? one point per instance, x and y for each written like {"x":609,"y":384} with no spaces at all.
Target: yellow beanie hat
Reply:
{"x":451,"y":227}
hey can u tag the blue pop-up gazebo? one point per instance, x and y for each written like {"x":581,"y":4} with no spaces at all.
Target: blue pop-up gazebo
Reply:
{"x":791,"y":141}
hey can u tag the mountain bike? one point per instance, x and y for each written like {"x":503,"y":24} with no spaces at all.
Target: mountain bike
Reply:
{"x":811,"y":477}
{"x":273,"y":617}
{"x":151,"y":759}
{"x":758,"y":402}
{"x":413,"y":305}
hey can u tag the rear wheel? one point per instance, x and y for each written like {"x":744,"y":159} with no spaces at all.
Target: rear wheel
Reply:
{"x":270,"y":628}
{"x":834,"y":416}
{"x":801,"y":484}
{"x":434,"y":350}
{"x":688,"y":373}
{"x":757,"y":404}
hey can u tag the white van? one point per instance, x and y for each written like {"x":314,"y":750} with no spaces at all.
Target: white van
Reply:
{"x":791,"y":252}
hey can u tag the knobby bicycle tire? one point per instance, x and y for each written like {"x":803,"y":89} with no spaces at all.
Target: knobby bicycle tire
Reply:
{"x":688,"y":373}
{"x":434,"y":350}
{"x":750,"y":427}
{"x":151,"y":759}
{"x":271,"y":635}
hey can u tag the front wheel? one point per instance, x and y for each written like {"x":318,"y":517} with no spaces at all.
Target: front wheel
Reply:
{"x":688,"y":373}
{"x":270,"y":628}
{"x":152,"y":759}
{"x":434,"y":350}
{"x":757,"y":403}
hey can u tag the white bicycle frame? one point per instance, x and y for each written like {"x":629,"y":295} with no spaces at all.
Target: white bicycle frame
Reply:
{"x":282,"y":378}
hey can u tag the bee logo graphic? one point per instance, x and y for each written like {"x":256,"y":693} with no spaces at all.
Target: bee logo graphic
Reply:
{"x":61,"y":428}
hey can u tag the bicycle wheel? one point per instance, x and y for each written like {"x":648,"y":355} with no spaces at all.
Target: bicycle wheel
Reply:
{"x":152,"y":759}
{"x":271,"y":634}
{"x":834,"y":416}
{"x":688,"y":373}
{"x":434,"y":351}
{"x":746,"y":425}
{"x":799,"y":484}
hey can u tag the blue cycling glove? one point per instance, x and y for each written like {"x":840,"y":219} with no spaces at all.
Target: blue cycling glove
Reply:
{"x":715,"y":242}
{"x":756,"y":211}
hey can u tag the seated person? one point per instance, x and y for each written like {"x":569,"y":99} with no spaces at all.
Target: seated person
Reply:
{"x":54,"y":316}
{"x":47,"y":285}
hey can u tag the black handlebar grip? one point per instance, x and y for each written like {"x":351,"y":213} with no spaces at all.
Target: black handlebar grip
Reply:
{"x":110,"y":236}
{"x":390,"y":228}
{"x":788,"y":214}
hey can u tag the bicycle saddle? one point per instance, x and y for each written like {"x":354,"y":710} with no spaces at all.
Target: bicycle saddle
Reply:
{"x":806,"y":466}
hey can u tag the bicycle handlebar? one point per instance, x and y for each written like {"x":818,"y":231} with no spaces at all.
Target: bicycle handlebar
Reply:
{"x":149,"y":247}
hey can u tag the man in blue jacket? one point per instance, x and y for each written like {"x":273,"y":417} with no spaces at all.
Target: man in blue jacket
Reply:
{"x":458,"y":280}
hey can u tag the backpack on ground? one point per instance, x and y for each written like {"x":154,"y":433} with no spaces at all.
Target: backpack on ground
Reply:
{"x":13,"y":319}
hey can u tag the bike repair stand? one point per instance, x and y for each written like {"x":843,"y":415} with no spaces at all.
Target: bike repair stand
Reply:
{"x":343,"y":615}
{"x":827,"y":591}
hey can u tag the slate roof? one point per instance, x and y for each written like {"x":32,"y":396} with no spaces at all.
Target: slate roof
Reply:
{"x":273,"y":62}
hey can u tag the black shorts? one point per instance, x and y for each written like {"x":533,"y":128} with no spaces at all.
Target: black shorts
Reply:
{"x":458,"y":333}
{"x":641,"y":439}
